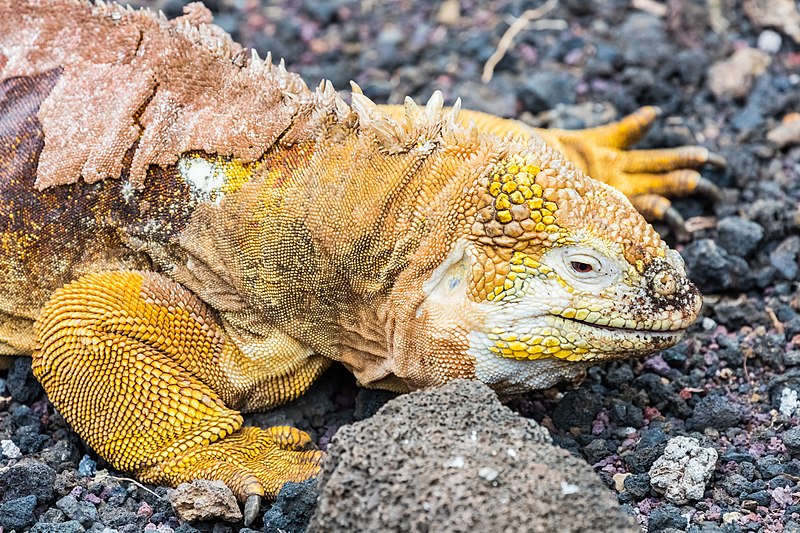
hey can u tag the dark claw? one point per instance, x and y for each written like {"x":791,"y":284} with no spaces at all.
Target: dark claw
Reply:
{"x":709,"y":190}
{"x":716,"y":160}
{"x":675,"y":221}
{"x":251,"y":508}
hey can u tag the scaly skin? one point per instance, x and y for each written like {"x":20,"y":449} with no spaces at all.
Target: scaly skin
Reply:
{"x":186,"y":234}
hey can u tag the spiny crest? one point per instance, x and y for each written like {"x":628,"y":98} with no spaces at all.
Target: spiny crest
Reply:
{"x":421,"y":128}
{"x":196,"y":25}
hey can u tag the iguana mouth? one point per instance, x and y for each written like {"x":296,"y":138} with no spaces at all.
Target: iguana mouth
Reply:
{"x":679,"y":330}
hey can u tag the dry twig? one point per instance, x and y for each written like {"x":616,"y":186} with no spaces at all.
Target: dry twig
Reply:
{"x":517,"y":26}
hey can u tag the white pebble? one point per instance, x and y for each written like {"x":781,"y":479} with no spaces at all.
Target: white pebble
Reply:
{"x":682,"y":471}
{"x":10,"y":450}
{"x":769,"y":41}
{"x":789,"y":402}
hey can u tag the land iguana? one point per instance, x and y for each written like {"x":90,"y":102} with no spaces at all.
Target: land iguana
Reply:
{"x":187,"y":232}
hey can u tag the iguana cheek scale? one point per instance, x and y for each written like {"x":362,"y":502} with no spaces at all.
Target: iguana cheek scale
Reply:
{"x":188,"y":232}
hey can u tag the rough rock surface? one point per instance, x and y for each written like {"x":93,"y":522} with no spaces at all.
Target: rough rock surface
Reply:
{"x":204,"y":500}
{"x":456,"y":459}
{"x":682,"y":472}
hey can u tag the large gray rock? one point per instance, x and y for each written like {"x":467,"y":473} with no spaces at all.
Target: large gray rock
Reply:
{"x":456,"y":459}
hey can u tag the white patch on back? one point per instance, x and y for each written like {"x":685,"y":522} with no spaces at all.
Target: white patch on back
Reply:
{"x":205,"y":178}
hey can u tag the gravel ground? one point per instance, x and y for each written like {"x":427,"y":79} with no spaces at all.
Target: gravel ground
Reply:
{"x":727,"y":75}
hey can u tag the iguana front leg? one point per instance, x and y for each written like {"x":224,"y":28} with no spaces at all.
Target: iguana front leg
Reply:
{"x":646,"y":177}
{"x":147,"y":376}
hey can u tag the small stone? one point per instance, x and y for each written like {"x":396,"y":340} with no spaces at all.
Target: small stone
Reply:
{"x":293,"y":508}
{"x":27,"y":477}
{"x":204,"y":500}
{"x":577,"y":408}
{"x":87,"y":467}
{"x":769,"y":41}
{"x":10,"y":450}
{"x":711,"y":267}
{"x":17,"y":513}
{"x":72,"y":526}
{"x":619,"y":480}
{"x":787,"y":133}
{"x":665,"y":517}
{"x":714,"y":411}
{"x":682,"y":472}
{"x":785,"y":258}
{"x":637,"y":486}
{"x":21,"y":383}
{"x":789,"y":404}
{"x":733,"y":77}
{"x":650,"y":446}
{"x":82,"y":511}
{"x":736,"y":485}
{"x":488,"y":473}
{"x":739,"y":236}
{"x":761,"y":497}
{"x":791,"y":439}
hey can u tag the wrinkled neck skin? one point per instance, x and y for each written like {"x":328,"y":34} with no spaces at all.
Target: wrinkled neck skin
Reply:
{"x":340,"y":252}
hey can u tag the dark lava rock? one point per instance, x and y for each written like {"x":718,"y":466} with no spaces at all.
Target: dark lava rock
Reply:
{"x":596,"y":450}
{"x":456,"y":459}
{"x":626,"y":414}
{"x":18,"y":513}
{"x":739,"y":236}
{"x":714,"y":411}
{"x":667,"y":516}
{"x":711,"y":267}
{"x":784,"y":258}
{"x":637,"y":486}
{"x":761,"y":497}
{"x":73,"y":526}
{"x":791,"y":439}
{"x":82,"y":511}
{"x":63,"y":454}
{"x":649,"y":448}
{"x":770,"y":466}
{"x":544,"y":90}
{"x":369,"y":401}
{"x":777,"y":387}
{"x":646,"y":43}
{"x":619,"y":374}
{"x":293,"y":508}
{"x":27,"y":477}
{"x":21,"y":383}
{"x":577,"y":409}
{"x":662,"y":394}
{"x":736,"y":313}
{"x":498,"y":97}
{"x":736,"y":485}
{"x":116,"y":516}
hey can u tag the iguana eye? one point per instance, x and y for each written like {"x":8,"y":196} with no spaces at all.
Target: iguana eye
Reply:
{"x":581,"y":268}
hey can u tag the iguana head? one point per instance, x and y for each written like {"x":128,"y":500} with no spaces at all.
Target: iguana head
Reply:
{"x":557,"y":272}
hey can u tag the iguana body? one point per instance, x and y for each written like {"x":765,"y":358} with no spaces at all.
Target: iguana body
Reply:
{"x":188,"y":232}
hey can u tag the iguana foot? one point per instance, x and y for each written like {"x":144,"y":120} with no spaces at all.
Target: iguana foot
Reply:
{"x":646,"y":177}
{"x":145,"y":373}
{"x":252,"y":462}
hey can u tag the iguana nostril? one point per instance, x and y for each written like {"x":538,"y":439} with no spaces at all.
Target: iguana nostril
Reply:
{"x":664,"y":283}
